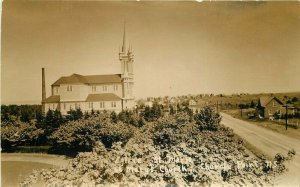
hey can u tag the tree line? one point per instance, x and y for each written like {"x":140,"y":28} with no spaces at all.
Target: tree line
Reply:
{"x":25,"y":125}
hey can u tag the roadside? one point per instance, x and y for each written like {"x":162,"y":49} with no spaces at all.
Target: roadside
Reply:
{"x":270,"y":143}
{"x":55,"y":160}
{"x":275,"y":125}
{"x":15,"y":167}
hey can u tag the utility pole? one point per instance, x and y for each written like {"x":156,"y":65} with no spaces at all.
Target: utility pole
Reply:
{"x":241,"y":112}
{"x":286,"y":116}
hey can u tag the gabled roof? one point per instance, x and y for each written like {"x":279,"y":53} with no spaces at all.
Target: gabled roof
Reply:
{"x":265,"y":100}
{"x":102,"y":97}
{"x":88,"y":79}
{"x":52,"y":99}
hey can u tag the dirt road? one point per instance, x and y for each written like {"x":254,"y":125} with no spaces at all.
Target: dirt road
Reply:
{"x":270,"y":143}
{"x":16,"y":167}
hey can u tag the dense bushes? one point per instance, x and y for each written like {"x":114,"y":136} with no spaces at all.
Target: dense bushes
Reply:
{"x":171,"y":130}
{"x":81,"y":135}
{"x":152,"y":113}
{"x":19,"y":133}
{"x":167,"y":152}
{"x":207,"y":119}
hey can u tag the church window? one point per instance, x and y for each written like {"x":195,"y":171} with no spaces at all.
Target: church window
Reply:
{"x":102,"y":104}
{"x":115,"y":87}
{"x":104,"y":88}
{"x":90,"y":105}
{"x":65,"y":106}
{"x":113,"y":104}
{"x":94,"y":88}
{"x":69,"y":88}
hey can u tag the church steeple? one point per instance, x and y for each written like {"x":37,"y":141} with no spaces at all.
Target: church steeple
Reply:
{"x":124,"y":39}
{"x":126,"y":58}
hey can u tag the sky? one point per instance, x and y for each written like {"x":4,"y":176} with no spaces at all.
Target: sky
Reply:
{"x":180,"y":47}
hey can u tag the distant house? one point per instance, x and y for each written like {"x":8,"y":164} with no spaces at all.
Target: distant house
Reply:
{"x":192,"y":102}
{"x":197,"y":105}
{"x":268,"y":106}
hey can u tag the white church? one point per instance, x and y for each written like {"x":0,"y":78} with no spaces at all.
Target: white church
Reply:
{"x":113,"y":92}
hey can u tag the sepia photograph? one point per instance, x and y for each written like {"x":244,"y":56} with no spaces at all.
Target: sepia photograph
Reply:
{"x":150,"y":93}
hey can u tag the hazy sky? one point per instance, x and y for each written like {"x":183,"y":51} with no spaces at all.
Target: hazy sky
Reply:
{"x":179,"y":47}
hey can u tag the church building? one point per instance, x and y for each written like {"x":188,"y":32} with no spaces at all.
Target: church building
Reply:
{"x":113,"y":92}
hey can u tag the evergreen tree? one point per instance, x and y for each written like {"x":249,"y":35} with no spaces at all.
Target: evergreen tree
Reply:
{"x":48,"y":119}
{"x":57,"y":119}
{"x":114,"y":117}
{"x":39,"y":119}
{"x":25,"y":115}
{"x":86,"y":115}
{"x":74,"y":114}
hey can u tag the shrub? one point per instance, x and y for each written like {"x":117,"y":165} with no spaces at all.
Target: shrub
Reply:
{"x":19,"y":133}
{"x":74,"y":115}
{"x":207,"y":119}
{"x":81,"y":135}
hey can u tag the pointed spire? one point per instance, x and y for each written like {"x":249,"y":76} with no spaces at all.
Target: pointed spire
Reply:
{"x":129,"y":48}
{"x":124,"y":39}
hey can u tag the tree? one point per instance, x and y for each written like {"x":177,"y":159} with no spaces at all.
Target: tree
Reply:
{"x":52,"y":121}
{"x":252,"y":104}
{"x":19,"y":133}
{"x":208,"y":119}
{"x":39,"y":119}
{"x":86,"y":115}
{"x":81,"y":135}
{"x":48,"y":118}
{"x":189,"y":112}
{"x":152,"y":114}
{"x":74,"y":114}
{"x":25,"y":116}
{"x":294,"y":99}
{"x":4,"y":113}
{"x":57,"y":119}
{"x":114,"y":117}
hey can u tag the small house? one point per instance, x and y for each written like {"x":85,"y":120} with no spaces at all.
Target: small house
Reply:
{"x":269,"y":106}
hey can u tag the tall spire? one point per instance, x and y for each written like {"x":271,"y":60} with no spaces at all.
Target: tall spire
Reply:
{"x":124,"y":39}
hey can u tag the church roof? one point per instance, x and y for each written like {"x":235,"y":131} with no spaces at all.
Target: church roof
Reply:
{"x":52,"y":99}
{"x":102,"y":97}
{"x":88,"y":79}
{"x":90,"y":98}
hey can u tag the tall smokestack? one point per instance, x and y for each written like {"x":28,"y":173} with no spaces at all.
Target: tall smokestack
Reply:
{"x":43,"y":90}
